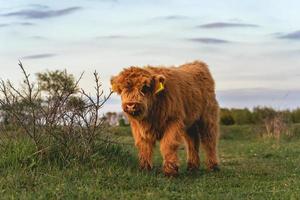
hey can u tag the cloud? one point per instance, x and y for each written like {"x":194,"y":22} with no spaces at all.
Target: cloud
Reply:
{"x":171,"y":17}
{"x":3,"y":25}
{"x":116,"y":37}
{"x":39,"y":13}
{"x":17,"y":24}
{"x":104,"y":1}
{"x":216,"y":25}
{"x":39,"y":6}
{"x":24,"y":23}
{"x":251,"y":97}
{"x":209,"y":40}
{"x":37,"y":37}
{"x":285,"y":53}
{"x":39,"y":56}
{"x":275,"y":34}
{"x":291,"y":36}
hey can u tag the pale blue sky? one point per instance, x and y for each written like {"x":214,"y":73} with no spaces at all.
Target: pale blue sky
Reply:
{"x":252,"y":46}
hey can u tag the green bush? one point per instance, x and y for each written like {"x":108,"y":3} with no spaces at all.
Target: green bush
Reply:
{"x":296,"y":115}
{"x":226,"y":117}
{"x":122,"y":122}
{"x":242,"y":116}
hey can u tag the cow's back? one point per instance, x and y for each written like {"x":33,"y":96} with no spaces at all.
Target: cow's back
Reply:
{"x":188,"y":89}
{"x":200,"y":73}
{"x":194,"y":87}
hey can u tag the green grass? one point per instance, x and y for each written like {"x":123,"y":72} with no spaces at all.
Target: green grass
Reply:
{"x":251,"y":168}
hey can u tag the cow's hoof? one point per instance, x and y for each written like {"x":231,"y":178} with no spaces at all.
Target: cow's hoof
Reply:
{"x":191,"y":167}
{"x":145,"y":167}
{"x":215,"y":168}
{"x":170,"y":169}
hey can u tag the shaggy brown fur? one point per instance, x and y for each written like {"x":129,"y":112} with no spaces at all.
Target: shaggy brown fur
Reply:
{"x":172,"y":105}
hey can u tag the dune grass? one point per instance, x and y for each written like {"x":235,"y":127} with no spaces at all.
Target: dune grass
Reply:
{"x":251,"y":168}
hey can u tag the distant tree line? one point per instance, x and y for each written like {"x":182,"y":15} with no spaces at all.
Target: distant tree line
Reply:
{"x":258,"y":115}
{"x":115,"y":119}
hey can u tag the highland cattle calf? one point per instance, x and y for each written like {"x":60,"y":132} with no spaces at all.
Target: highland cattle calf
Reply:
{"x":171,"y":105}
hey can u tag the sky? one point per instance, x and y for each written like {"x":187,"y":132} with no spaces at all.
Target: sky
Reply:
{"x":252,"y":46}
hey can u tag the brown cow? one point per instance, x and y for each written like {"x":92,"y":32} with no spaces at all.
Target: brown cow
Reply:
{"x":171,"y":104}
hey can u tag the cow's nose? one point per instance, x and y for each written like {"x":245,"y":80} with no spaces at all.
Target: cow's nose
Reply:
{"x":131,"y":106}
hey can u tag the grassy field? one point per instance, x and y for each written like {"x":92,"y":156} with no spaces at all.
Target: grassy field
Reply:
{"x":251,"y":168}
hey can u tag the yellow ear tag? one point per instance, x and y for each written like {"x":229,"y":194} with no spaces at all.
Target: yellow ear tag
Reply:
{"x":161,"y":88}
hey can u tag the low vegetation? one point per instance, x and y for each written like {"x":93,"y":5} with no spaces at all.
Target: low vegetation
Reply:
{"x":252,"y":168}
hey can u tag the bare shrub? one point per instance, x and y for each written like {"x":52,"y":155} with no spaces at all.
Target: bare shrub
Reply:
{"x":54,"y":112}
{"x":276,"y":126}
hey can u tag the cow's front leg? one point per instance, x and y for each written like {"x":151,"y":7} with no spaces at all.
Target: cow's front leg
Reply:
{"x":144,"y":146}
{"x":168,"y":146}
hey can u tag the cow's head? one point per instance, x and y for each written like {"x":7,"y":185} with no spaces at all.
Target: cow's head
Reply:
{"x":138,"y":89}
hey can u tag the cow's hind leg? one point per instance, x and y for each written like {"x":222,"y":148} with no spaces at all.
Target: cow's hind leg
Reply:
{"x":209,"y":135}
{"x":192,"y":141}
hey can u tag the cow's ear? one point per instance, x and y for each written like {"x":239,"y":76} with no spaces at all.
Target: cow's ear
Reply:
{"x":159,"y":83}
{"x":115,"y":86}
